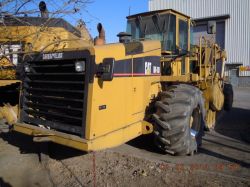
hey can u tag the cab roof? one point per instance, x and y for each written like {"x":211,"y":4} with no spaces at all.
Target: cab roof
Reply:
{"x":155,"y":12}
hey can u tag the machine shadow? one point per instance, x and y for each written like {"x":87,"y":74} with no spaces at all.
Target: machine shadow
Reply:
{"x":145,"y":142}
{"x":224,"y":157}
{"x":26,"y":145}
{"x":3,"y":183}
{"x":225,"y":145}
{"x":235,"y":124}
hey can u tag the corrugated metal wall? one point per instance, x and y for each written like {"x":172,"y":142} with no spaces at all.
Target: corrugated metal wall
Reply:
{"x":237,"y":27}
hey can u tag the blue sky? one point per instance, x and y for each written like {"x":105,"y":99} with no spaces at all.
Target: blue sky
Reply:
{"x":112,"y":14}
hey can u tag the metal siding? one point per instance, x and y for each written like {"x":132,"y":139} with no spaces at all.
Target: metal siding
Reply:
{"x":237,"y":27}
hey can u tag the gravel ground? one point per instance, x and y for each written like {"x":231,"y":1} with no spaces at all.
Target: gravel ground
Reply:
{"x":223,"y":160}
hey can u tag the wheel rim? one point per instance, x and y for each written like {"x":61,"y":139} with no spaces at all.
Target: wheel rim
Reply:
{"x":195,"y":122}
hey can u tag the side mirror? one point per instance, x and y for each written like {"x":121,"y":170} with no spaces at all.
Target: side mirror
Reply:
{"x":105,"y":70}
{"x":211,"y":27}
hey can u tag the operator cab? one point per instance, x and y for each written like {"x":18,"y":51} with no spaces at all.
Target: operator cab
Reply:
{"x":172,"y":28}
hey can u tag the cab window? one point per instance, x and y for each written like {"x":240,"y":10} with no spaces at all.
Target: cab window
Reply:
{"x":183,"y":35}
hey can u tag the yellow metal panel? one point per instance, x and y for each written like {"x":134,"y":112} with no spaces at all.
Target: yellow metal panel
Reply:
{"x":116,"y":51}
{"x":181,"y":78}
{"x":187,"y":65}
{"x":195,"y":77}
{"x":117,"y":96}
{"x":125,"y":98}
{"x":8,"y":82}
{"x":116,"y":137}
{"x":144,"y":89}
{"x":108,"y":140}
{"x":42,"y":38}
{"x":125,"y":103}
{"x":54,"y":136}
{"x":151,"y":47}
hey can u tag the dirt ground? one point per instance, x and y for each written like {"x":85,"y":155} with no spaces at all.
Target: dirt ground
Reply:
{"x":223,"y":159}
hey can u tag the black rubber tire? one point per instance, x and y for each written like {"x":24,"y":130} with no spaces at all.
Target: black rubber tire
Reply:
{"x":228,"y":96}
{"x":174,"y":110}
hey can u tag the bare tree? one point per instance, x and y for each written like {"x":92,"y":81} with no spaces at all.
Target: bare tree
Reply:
{"x":15,"y":11}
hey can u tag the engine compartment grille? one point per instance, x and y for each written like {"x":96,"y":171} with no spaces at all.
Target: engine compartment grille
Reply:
{"x":53,"y":96}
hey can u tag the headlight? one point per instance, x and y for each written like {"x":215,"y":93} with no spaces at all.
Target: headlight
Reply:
{"x":27,"y":69}
{"x":80,"y":66}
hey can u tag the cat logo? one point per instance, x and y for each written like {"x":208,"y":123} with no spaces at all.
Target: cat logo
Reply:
{"x":148,"y":66}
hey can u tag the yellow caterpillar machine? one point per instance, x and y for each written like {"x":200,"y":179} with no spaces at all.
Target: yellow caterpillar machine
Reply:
{"x":9,"y":85}
{"x":9,"y":92}
{"x":92,"y":97}
{"x":25,"y":35}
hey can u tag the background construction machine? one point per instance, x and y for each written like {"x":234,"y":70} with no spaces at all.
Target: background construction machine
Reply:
{"x":95,"y":97}
{"x":25,"y":35}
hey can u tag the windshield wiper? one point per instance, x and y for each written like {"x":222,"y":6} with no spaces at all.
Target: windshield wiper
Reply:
{"x":156,"y":20}
{"x":139,"y":23}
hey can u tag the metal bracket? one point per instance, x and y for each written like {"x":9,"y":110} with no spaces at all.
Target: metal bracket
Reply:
{"x":147,"y":128}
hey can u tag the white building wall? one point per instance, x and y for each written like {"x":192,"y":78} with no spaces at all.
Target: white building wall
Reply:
{"x":237,"y":27}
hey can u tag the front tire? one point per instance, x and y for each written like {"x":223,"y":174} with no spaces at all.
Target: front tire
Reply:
{"x":179,"y":120}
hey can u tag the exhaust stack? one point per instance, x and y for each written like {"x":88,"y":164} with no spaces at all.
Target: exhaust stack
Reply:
{"x":100,"y":40}
{"x":43,"y":9}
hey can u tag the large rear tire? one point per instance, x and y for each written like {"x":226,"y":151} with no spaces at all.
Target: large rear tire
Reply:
{"x":228,"y":96}
{"x":179,"y":120}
